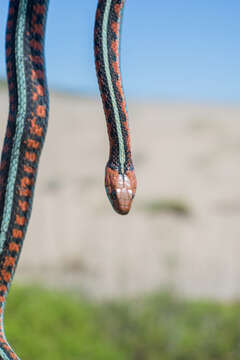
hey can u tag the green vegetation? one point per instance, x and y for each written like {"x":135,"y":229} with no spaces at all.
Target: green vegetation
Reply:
{"x":54,"y":326}
{"x":171,"y":206}
{"x":51,"y":325}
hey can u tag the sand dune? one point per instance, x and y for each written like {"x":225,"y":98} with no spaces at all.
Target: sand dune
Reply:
{"x":188,"y":154}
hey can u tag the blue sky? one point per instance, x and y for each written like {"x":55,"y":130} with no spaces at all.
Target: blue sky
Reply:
{"x":172,"y":50}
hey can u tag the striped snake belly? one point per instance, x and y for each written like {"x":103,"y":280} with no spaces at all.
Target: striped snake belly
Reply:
{"x":27,"y":125}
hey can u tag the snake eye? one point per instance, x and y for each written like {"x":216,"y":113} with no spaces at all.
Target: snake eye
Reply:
{"x":113,"y":195}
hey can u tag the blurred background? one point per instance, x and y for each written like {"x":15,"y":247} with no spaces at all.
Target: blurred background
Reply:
{"x":164,"y":281}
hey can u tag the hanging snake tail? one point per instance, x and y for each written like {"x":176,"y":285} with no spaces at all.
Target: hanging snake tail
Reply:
{"x":120,"y":180}
{"x":26,"y":129}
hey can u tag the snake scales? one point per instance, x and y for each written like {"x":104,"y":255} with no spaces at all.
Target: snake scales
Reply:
{"x":27,"y":125}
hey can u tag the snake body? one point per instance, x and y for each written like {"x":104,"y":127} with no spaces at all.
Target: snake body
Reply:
{"x":120,"y":180}
{"x":24,"y":138}
{"x":27,"y":125}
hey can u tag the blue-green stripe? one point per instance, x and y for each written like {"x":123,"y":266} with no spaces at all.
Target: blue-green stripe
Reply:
{"x":21,"y":113}
{"x":122,"y":157}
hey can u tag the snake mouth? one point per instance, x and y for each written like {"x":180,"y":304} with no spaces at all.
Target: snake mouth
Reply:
{"x":120,"y":189}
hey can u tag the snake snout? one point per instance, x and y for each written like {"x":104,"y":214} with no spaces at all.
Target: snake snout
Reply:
{"x":124,"y":195}
{"x":120,"y":189}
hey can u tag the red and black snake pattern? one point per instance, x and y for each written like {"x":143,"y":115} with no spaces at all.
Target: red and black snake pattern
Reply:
{"x":120,"y":181}
{"x":27,"y":125}
{"x":35,"y":125}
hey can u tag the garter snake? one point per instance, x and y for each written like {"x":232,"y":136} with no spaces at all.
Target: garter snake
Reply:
{"x":27,"y":125}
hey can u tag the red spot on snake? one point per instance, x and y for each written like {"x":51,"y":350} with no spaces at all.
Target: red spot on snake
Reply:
{"x":38,"y":29}
{"x":41,"y":111}
{"x":3,"y":288}
{"x":8,"y":51}
{"x":115,"y":47}
{"x":9,"y":261}
{"x":115,"y":66}
{"x":25,"y":192}
{"x":40,"y":90}
{"x":33,"y":144}
{"x":23,"y":205}
{"x":35,"y":129}
{"x":30,"y":156}
{"x":39,"y":9}
{"x":5,"y":148}
{"x":38,"y":74}
{"x":35,"y":45}
{"x":36,"y":59}
{"x":34,"y":96}
{"x":13,"y":247}
{"x":28,"y":169}
{"x":115,"y":27}
{"x":17,"y":234}
{"x":6,"y":275}
{"x":20,"y":220}
{"x":3,"y":164}
{"x":9,"y":24}
{"x":34,"y":75}
{"x":11,"y":10}
{"x":117,"y":9}
{"x":25,"y":181}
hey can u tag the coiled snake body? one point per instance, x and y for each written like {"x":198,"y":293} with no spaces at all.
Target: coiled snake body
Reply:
{"x":27,"y":124}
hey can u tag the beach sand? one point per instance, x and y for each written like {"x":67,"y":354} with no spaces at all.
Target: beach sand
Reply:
{"x":183,"y":233}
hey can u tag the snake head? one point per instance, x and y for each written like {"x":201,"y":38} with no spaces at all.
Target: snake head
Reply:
{"x":121,"y":189}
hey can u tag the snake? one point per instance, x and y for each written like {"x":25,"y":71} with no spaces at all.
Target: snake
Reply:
{"x":28,"y":120}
